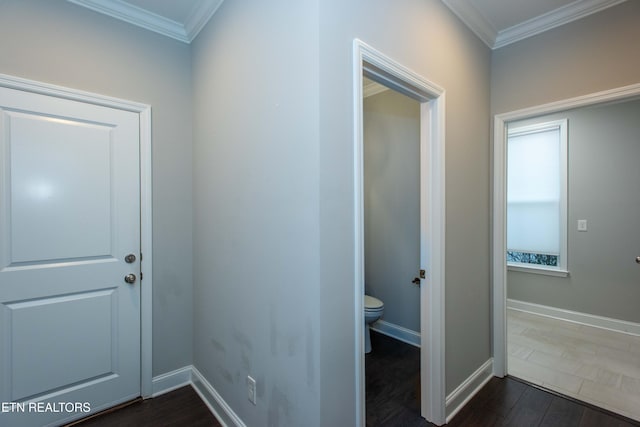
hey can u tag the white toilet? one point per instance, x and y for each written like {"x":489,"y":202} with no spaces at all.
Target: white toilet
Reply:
{"x":373,"y":309}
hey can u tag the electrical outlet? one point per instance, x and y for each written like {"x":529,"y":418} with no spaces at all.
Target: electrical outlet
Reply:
{"x":251,"y":389}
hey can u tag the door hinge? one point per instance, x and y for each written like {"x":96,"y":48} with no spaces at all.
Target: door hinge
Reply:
{"x":141,"y":276}
{"x":423,"y":274}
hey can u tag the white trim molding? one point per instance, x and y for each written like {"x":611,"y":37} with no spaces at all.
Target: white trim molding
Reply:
{"x":189,"y":375}
{"x":540,"y":24}
{"x":495,"y":39}
{"x":199,"y":16}
{"x":220,"y":409}
{"x":397,"y":332}
{"x":378,"y":67}
{"x":471,"y":16}
{"x":146,"y":251}
{"x":172,"y":380}
{"x":499,"y":237}
{"x":458,"y":398}
{"x":146,"y":214}
{"x":587,"y":319}
{"x":534,"y":269}
{"x":182,"y":31}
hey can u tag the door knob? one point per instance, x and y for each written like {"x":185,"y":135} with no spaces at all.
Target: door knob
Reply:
{"x":129,"y":259}
{"x":130,"y":278}
{"x":638,"y":259}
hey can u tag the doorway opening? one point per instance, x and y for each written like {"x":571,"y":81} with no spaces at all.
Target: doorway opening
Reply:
{"x":377,"y":67}
{"x":555,"y":339}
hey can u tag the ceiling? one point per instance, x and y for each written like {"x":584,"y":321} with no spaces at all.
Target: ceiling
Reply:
{"x":496,"y":22}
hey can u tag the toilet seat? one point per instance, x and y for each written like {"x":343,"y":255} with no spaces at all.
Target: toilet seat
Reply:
{"x":373,"y":309}
{"x":372,"y":303}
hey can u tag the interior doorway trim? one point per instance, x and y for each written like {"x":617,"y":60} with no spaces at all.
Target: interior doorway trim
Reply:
{"x":499,"y":267}
{"x":392,"y":74}
{"x":146,"y":266}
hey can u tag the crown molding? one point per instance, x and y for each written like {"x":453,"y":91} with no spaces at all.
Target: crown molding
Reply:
{"x":481,"y":26}
{"x":563,"y":15}
{"x":474,"y":20}
{"x":126,"y":12}
{"x":199,"y":16}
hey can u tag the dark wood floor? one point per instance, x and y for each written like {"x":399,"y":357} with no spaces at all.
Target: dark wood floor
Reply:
{"x":508,"y":402}
{"x":392,"y":381}
{"x":181,"y":407}
{"x":392,"y":375}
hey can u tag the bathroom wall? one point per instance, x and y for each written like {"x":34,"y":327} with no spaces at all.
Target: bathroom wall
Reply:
{"x":604,"y":152}
{"x":64,"y":44}
{"x":391,"y":126}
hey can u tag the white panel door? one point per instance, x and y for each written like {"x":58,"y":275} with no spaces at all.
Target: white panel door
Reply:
{"x":69,"y":214}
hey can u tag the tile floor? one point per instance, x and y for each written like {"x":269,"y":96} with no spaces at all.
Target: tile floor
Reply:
{"x":594,"y":365}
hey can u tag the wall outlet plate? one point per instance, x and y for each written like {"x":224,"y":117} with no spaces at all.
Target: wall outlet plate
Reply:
{"x":251,"y":389}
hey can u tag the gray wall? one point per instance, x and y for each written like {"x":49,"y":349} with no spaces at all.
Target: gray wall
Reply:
{"x":64,"y":44}
{"x":272,"y":163}
{"x":593,"y":54}
{"x":256,"y":241}
{"x":273,"y":197}
{"x":604,"y":153}
{"x":391,"y":126}
{"x":426,"y":37}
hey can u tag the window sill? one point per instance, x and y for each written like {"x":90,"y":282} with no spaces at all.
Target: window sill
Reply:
{"x":538,"y":270}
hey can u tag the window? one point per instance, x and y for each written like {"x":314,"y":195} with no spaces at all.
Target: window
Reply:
{"x":537,"y":196}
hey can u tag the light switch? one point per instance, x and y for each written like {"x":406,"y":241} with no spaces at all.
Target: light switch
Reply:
{"x":582,"y":225}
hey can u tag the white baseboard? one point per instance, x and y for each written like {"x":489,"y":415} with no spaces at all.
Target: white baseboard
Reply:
{"x":189,"y":375}
{"x":576,"y":317}
{"x":398,"y":332}
{"x":215,"y":402}
{"x":459,"y":397}
{"x":170,"y":381}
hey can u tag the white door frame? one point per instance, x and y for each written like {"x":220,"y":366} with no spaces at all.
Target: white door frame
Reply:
{"x":432,"y":223}
{"x":500,"y":204}
{"x":146,"y":265}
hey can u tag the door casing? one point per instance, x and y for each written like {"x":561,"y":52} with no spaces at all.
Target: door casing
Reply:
{"x":392,"y":74}
{"x":146,"y":267}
